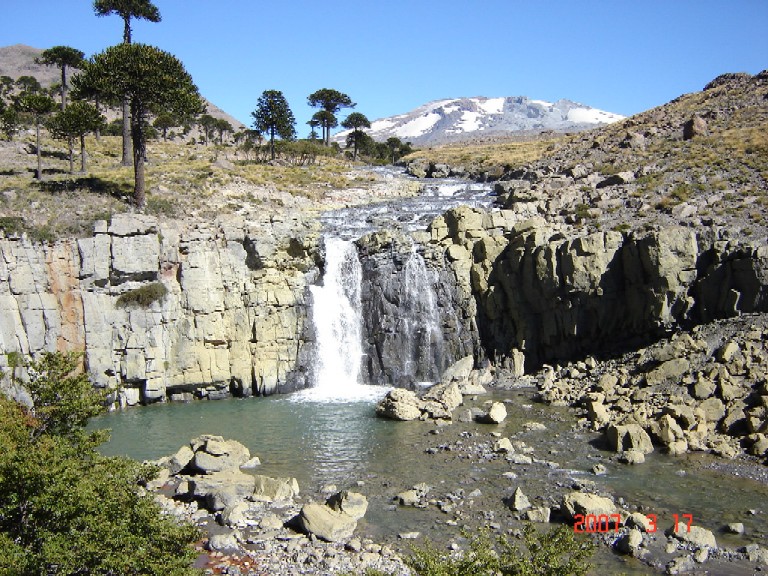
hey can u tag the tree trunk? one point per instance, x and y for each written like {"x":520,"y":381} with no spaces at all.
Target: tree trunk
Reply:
{"x":139,"y":187}
{"x":354,"y":135}
{"x":71,"y":146}
{"x":126,"y":132}
{"x":82,"y":153}
{"x":63,"y":88}
{"x":272,"y":142}
{"x":39,"y":174}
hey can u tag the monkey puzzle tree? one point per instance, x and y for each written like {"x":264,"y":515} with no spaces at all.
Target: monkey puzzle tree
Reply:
{"x":38,"y":106}
{"x":79,"y":119}
{"x":354,"y":122}
{"x":64,"y":57}
{"x":330,"y":101}
{"x":127,"y":9}
{"x":150,"y":79}
{"x":274,"y":116}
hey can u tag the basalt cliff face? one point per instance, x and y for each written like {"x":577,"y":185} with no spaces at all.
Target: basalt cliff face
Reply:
{"x":230,"y":321}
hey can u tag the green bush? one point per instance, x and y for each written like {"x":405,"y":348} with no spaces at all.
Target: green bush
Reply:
{"x":65,"y":508}
{"x":143,"y":296}
{"x":552,"y":553}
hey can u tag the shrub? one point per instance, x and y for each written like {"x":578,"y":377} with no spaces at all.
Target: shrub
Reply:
{"x":552,"y":553}
{"x":143,"y":296}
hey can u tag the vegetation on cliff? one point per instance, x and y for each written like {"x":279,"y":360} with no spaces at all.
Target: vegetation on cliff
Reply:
{"x":64,"y":508}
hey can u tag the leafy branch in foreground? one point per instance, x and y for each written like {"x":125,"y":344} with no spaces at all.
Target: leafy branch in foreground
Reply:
{"x":66,"y":509}
{"x":553,"y":553}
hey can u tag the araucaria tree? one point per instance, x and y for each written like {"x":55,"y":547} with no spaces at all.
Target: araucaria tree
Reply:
{"x":79,"y":119}
{"x":38,"y":106}
{"x":329,"y":101}
{"x":273,"y":116}
{"x":150,"y":79}
{"x":64,"y":57}
{"x":355,"y":122}
{"x":127,"y":9}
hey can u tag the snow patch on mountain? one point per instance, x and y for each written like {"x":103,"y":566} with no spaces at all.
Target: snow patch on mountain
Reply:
{"x":465,"y":118}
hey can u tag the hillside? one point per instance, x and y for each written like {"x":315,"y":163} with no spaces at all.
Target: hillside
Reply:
{"x":481,"y":118}
{"x":701,"y":160}
{"x":19,"y":60}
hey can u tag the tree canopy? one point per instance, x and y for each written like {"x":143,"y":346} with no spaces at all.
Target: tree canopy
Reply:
{"x":79,"y":119}
{"x":38,"y":106}
{"x":355,"y":122}
{"x":64,"y":57}
{"x":127,"y":9}
{"x":64,"y":508}
{"x":151,"y":80}
{"x":330,"y":101}
{"x":273,"y":116}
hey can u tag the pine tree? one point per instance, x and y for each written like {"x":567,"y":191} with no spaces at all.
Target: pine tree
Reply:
{"x":274,"y":116}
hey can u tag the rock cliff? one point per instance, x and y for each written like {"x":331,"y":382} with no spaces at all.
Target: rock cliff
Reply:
{"x":545,"y":296}
{"x":229,"y":319}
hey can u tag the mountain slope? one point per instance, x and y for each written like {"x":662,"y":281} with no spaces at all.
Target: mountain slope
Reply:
{"x":462,"y":119}
{"x":19,"y":60}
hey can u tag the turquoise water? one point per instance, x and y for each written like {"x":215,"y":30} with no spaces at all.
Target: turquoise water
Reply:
{"x":321,"y":442}
{"x":316,"y":442}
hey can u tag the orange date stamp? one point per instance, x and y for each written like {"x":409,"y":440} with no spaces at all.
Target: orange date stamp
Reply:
{"x":602,"y":523}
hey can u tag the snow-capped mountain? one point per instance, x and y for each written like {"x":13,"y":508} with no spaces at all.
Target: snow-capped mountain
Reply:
{"x":471,"y":118}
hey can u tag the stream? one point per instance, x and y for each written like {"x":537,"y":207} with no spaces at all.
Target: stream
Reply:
{"x":329,"y":434}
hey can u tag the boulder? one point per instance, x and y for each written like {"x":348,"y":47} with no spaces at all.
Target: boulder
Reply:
{"x":179,"y":461}
{"x":585,"y":503}
{"x":630,"y":542}
{"x":694,"y":127}
{"x":268,"y":489}
{"x":400,"y":404}
{"x":460,"y":370}
{"x":351,"y":503}
{"x":519,"y":501}
{"x":670,"y":371}
{"x":496,"y":414}
{"x":325,"y":523}
{"x":629,"y":437}
{"x":222,"y":489}
{"x":696,"y":535}
{"x":447,"y":394}
{"x":503,"y":446}
{"x":214,"y":454}
{"x":540,"y":515}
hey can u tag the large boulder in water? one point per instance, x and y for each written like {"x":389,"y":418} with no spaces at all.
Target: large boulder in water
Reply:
{"x":214,"y":454}
{"x":400,"y":404}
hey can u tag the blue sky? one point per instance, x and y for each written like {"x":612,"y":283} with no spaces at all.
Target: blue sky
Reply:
{"x":624,"y":56}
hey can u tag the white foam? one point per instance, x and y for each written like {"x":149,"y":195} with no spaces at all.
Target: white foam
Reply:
{"x":350,"y":394}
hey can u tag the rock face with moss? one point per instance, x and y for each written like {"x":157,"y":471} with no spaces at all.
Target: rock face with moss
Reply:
{"x":164,"y":312}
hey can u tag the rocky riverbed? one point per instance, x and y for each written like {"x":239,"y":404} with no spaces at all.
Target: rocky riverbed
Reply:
{"x":543,"y":456}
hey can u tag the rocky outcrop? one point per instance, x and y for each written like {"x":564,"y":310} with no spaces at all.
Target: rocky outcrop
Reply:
{"x":230,"y":321}
{"x":549,"y":296}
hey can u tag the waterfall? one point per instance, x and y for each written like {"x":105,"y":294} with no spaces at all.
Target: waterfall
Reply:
{"x":337,"y":321}
{"x":421,"y":319}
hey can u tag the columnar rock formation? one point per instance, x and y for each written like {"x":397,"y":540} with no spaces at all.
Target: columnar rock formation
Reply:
{"x":552,"y":297}
{"x":230,"y":319}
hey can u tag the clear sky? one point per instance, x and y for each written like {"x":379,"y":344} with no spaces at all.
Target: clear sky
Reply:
{"x":390,"y":56}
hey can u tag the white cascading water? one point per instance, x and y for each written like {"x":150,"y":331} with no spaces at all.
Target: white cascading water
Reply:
{"x":337,"y":321}
{"x":422,"y":322}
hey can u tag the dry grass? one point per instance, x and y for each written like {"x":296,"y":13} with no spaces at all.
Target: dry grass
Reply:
{"x":182,"y":180}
